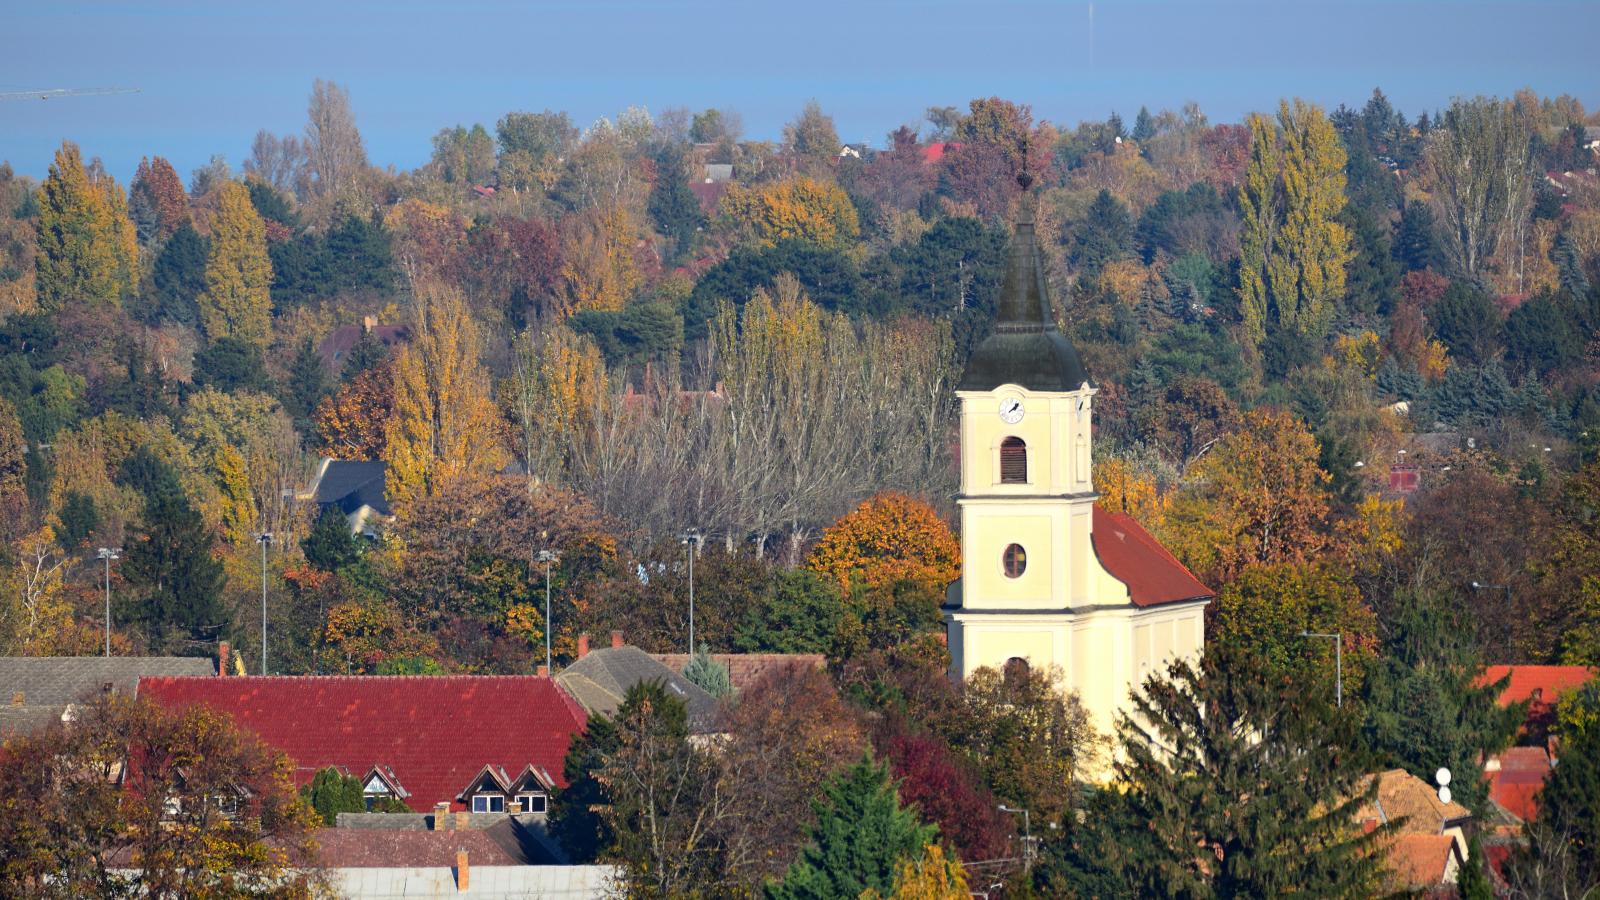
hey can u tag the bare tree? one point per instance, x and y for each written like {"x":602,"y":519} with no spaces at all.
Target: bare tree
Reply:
{"x":335,"y":155}
{"x":279,"y":161}
{"x":1480,"y":164}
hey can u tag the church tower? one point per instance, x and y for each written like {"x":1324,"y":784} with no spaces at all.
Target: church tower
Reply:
{"x":1048,"y":577}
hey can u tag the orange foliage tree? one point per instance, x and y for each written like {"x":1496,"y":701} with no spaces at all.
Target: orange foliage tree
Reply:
{"x":801,"y":208}
{"x":353,"y":423}
{"x":890,"y":537}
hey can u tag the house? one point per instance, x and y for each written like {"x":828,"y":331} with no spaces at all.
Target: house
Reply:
{"x":336,"y":347}
{"x":1540,"y":687}
{"x":745,"y":669}
{"x":1425,"y":864}
{"x":1515,"y":779}
{"x":1049,"y":579}
{"x":41,"y":690}
{"x":599,"y":680}
{"x":709,"y":193}
{"x":1430,"y":845}
{"x":716,"y":173}
{"x":479,"y":743}
{"x":356,"y":487}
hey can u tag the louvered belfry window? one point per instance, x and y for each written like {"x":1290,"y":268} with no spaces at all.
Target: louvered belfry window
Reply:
{"x":1013,"y":461}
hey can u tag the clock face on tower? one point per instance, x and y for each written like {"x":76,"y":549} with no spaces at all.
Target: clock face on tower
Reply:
{"x":1011,"y":410}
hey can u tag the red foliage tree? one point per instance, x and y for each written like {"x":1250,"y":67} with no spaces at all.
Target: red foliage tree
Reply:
{"x":156,"y":202}
{"x":514,"y":265}
{"x":933,"y":778}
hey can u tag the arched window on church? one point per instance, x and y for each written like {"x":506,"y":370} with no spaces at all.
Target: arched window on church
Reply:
{"x":1013,"y":461}
{"x":1016,"y":669}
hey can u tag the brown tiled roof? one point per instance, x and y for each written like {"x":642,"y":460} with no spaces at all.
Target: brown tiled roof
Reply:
{"x":360,"y":848}
{"x":745,"y":669}
{"x":1404,"y":796}
{"x":1420,"y":861}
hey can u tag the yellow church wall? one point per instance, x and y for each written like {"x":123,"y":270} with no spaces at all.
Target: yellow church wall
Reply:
{"x":1054,"y":426}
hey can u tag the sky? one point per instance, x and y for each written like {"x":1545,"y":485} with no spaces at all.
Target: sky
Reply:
{"x":211,"y":74}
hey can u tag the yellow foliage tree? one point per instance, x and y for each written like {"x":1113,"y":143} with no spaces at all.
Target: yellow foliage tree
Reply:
{"x":444,"y":424}
{"x":1130,"y":493}
{"x":934,"y":876}
{"x":598,"y":267}
{"x":797,"y":208}
{"x":560,"y":387}
{"x":84,"y":253}
{"x":37,"y":608}
{"x":890,"y":537}
{"x":237,"y":302}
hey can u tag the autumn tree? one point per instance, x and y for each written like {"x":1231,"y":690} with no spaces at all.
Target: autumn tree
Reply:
{"x":597,"y":265}
{"x":336,"y":157}
{"x":811,"y":136}
{"x":890,"y":537}
{"x":1257,"y":497}
{"x":935,"y":876}
{"x":202,"y":809}
{"x":799,"y":207}
{"x":464,"y":156}
{"x":237,"y":301}
{"x":156,"y":201}
{"x":84,"y":253}
{"x":444,"y":424}
{"x":353,"y":423}
{"x":1483,"y":208}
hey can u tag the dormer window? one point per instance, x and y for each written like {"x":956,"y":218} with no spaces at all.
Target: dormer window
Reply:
{"x":1013,"y":461}
{"x":488,"y":803}
{"x":530,"y":803}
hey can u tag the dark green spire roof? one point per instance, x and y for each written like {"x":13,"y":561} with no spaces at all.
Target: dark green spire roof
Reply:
{"x":1026,"y":348}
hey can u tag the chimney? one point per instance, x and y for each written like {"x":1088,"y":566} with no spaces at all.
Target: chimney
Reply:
{"x":616,"y":639}
{"x":543,"y":671}
{"x":441,"y":816}
{"x":222,"y":658}
{"x":463,"y":821}
{"x":20,"y":698}
{"x":583,"y":645}
{"x":462,"y":883}
{"x":368,"y":323}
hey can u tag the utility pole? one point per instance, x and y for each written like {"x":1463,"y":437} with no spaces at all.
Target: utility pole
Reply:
{"x":692,"y":539}
{"x":546,"y":557}
{"x":265,"y":540}
{"x":1338,"y":661}
{"x":108,"y":554}
{"x":1027,"y":837}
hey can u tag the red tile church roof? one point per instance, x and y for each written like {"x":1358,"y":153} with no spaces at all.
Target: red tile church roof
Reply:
{"x":436,"y":733}
{"x":1153,"y":576}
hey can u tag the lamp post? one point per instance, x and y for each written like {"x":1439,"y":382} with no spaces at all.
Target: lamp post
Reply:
{"x":1027,"y":836}
{"x":265,"y":540}
{"x":1505,"y":614}
{"x":548,"y":558}
{"x":692,"y":539}
{"x":108,"y":554}
{"x":1338,"y":662}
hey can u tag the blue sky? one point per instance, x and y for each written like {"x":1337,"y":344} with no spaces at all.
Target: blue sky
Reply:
{"x":211,"y":74}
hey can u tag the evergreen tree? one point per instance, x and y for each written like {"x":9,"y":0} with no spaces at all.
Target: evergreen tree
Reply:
{"x":1569,"y":266}
{"x":177,"y":279}
{"x":306,"y":387}
{"x":1424,"y":706}
{"x":271,"y":205}
{"x":237,"y":301}
{"x":1241,"y":784}
{"x":1468,"y":323}
{"x":710,"y":675}
{"x":368,"y":353}
{"x":1563,"y":853}
{"x":1416,"y":243}
{"x":1372,"y":275}
{"x":174,"y":577}
{"x":1540,"y":336}
{"x":79,"y":520}
{"x":156,"y":201}
{"x":674,"y":207}
{"x":1105,"y":235}
{"x":80,"y":257}
{"x":861,"y":836}
{"x":331,"y":547}
{"x":575,"y":817}
{"x":332,"y":792}
{"x":229,"y":364}
{"x":1144,"y":126}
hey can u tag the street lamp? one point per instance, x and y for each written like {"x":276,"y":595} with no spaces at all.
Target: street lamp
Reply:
{"x":108,"y":554}
{"x":692,"y":539}
{"x":1338,"y":662}
{"x":265,"y":540}
{"x":1027,"y":836}
{"x":548,"y":558}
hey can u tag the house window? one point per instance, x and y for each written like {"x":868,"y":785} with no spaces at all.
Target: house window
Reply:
{"x":488,"y":803}
{"x":1013,"y":461}
{"x":530,"y":803}
{"x":1014,"y":561}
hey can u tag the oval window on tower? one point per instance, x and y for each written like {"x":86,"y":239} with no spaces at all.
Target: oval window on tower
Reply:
{"x":1014,"y":561}
{"x":1013,"y":461}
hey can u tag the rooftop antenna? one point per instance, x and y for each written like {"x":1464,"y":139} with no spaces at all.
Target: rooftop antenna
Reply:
{"x":53,"y":93}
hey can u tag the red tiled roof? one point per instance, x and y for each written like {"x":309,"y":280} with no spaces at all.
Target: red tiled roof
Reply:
{"x":1136,"y":559}
{"x":1420,"y":860}
{"x":1549,"y":681}
{"x":709,"y":193}
{"x":1520,"y":774}
{"x":932,"y":153}
{"x":436,"y":733}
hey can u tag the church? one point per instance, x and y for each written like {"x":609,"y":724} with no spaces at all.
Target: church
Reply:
{"x":1048,"y":576}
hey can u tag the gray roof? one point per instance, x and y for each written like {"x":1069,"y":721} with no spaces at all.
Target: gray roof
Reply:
{"x":35,"y":690}
{"x":600,"y":680}
{"x":1026,"y":349}
{"x":353,"y":483}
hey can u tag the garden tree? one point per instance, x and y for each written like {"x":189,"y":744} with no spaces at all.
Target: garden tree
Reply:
{"x":946,"y":791}
{"x":1105,"y":235}
{"x":230,"y":364}
{"x":444,"y":425}
{"x":1193,"y":221}
{"x":644,"y":333}
{"x":1562,"y":858}
{"x":82,"y":250}
{"x":1540,"y":336}
{"x":177,"y":279}
{"x":811,"y":136}
{"x":332,"y":792}
{"x":427,"y":239}
{"x":932,"y":877}
{"x":899,"y":177}
{"x":529,"y":143}
{"x":1416,"y":242}
{"x":36,"y":611}
{"x":330,"y":546}
{"x":353,"y":423}
{"x":889,"y":537}
{"x":787,"y":732}
{"x":801,"y":614}
{"x":674,"y":208}
{"x":710,"y":675}
{"x":714,"y":126}
{"x":1216,"y":757}
{"x":464,"y":156}
{"x":1483,"y":208}
{"x":559,"y":386}
{"x":363,"y":635}
{"x":1193,"y":414}
{"x":861,"y":837}
{"x":1257,"y":498}
{"x":1144,"y":126}
{"x":1424,"y":703}
{"x":170,"y":830}
{"x":830,"y":277}
{"x":237,"y":301}
{"x":1263,"y":611}
{"x":515,"y":265}
{"x":800,"y":208}
{"x":1465,"y":319}
{"x":336,"y":159}
{"x":597,"y":265}
{"x":1294,"y":249}
{"x":156,"y":201}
